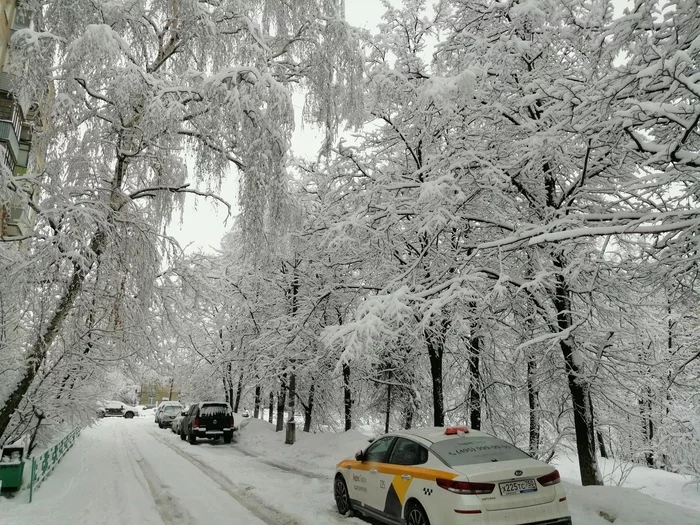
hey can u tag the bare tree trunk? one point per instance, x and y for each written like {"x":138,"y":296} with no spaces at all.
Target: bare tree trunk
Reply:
{"x":309,"y":408}
{"x":645,"y":408}
{"x":436,"y":347}
{"x":475,"y":382}
{"x":32,"y":440}
{"x":271,"y":408}
{"x":227,"y":390}
{"x":290,"y":436}
{"x":408,"y":412}
{"x":281,"y":403}
{"x":37,"y":353}
{"x":601,"y":444}
{"x":578,"y":385}
{"x":388,"y":408}
{"x":239,"y":389}
{"x":347,"y":393}
{"x":258,"y":401}
{"x":533,"y":401}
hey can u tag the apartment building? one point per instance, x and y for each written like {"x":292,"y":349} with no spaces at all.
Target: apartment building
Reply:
{"x":15,"y":126}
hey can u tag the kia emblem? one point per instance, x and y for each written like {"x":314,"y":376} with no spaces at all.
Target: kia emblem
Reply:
{"x":518,"y":472}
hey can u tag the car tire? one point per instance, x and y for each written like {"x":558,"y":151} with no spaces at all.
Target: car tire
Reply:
{"x":415,"y":514}
{"x":227,"y":439}
{"x":129,"y":415}
{"x":182,"y":436}
{"x":192,"y":439}
{"x":341,"y":495}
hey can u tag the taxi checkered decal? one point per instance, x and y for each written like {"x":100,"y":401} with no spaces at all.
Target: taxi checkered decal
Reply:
{"x":427,"y":491}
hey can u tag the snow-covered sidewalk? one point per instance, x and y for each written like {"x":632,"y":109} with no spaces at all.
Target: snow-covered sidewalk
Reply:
{"x":130,"y":472}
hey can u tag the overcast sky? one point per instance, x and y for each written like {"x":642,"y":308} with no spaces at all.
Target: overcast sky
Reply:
{"x":203,"y":221}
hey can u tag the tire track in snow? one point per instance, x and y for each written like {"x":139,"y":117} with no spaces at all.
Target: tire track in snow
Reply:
{"x":282,"y":466}
{"x":243,"y":494}
{"x":167,"y":506}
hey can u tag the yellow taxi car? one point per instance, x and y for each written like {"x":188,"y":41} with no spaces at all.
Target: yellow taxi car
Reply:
{"x":449,"y":476}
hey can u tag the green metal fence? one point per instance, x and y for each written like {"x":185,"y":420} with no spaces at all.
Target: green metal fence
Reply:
{"x":43,"y":465}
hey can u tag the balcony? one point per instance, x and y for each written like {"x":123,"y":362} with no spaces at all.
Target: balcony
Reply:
{"x":7,"y":81}
{"x":18,"y":221}
{"x":8,"y":136}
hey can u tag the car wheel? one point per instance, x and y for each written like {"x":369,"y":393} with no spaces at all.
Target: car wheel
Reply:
{"x":415,"y":514}
{"x":192,"y":439}
{"x":129,"y":415}
{"x":340,"y":492}
{"x":182,"y":436}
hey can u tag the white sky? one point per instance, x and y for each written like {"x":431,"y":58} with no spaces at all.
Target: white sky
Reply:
{"x":204,"y":221}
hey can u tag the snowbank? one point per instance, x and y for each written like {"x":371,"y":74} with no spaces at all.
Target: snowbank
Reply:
{"x":648,"y":496}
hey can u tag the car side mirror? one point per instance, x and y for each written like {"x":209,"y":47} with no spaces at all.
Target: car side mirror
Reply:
{"x":360,"y":455}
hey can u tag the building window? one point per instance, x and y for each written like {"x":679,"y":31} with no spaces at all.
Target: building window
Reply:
{"x":6,"y":157}
{"x":7,"y":106}
{"x":151,"y":400}
{"x":9,"y":110}
{"x":23,"y":18}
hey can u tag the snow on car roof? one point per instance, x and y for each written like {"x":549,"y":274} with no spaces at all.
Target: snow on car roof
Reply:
{"x":434,"y":434}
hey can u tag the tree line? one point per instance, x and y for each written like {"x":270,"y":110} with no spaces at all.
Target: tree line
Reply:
{"x":506,"y":237}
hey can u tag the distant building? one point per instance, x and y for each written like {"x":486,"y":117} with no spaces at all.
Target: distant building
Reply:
{"x":152,"y":394}
{"x":16,"y":219}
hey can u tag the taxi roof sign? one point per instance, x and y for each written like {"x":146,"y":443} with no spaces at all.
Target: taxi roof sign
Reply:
{"x":450,"y":431}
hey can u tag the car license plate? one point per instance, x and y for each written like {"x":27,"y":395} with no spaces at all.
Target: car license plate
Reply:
{"x":520,"y":486}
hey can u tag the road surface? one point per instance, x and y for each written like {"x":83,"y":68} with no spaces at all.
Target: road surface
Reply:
{"x":130,"y":472}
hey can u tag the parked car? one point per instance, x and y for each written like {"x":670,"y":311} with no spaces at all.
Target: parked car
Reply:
{"x":175,"y":427}
{"x":210,"y":420}
{"x":449,"y":476}
{"x":162,"y":407}
{"x":116,"y":409}
{"x":168,"y":415}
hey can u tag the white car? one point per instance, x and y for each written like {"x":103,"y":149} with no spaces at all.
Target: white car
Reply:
{"x":449,"y":476}
{"x":116,"y":409}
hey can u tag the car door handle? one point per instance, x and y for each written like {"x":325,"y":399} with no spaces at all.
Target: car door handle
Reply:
{"x":406,"y":477}
{"x":373,"y":470}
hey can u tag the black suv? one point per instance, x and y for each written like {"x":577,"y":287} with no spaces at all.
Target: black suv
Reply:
{"x":210,"y":420}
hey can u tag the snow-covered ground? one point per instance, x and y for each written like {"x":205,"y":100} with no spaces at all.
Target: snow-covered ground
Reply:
{"x":131,"y":472}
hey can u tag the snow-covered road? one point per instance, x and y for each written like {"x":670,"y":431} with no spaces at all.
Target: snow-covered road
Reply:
{"x":131,"y":472}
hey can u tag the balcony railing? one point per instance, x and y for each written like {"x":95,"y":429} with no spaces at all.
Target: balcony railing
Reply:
{"x":7,"y":134}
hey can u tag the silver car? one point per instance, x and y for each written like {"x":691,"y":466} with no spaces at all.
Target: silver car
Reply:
{"x":161,"y":407}
{"x":167,"y":415}
{"x":175,"y":427}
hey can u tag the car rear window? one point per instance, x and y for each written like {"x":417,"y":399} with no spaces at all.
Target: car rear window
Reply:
{"x":475,"y":450}
{"x":214,"y":410}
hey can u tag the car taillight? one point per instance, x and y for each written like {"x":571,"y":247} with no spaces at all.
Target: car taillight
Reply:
{"x":195,"y":423}
{"x":550,"y":479}
{"x":465,"y":487}
{"x":230,"y":424}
